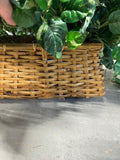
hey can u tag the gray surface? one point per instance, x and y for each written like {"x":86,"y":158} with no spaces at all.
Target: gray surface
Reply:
{"x":74,"y":129}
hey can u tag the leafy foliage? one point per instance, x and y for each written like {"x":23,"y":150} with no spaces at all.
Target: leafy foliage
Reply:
{"x":55,"y":22}
{"x":116,"y":53}
{"x":116,"y":56}
{"x":52,"y":34}
{"x":114,"y":22}
{"x":75,"y":39}
{"x":105,"y":28}
{"x":51,"y":21}
{"x":24,"y":18}
{"x":107,"y":59}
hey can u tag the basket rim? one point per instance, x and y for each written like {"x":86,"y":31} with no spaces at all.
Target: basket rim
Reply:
{"x":38,"y":45}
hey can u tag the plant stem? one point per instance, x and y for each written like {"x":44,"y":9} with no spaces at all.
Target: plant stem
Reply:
{"x":104,"y":24}
{"x":49,"y":5}
{"x":44,"y":14}
{"x":61,"y":8}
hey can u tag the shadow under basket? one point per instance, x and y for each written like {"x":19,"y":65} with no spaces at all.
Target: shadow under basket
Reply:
{"x":28,"y":71}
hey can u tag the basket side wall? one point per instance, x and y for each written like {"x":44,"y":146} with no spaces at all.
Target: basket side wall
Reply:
{"x":27,"y":71}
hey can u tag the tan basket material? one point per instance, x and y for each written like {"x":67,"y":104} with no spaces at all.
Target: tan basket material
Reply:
{"x":27,"y":71}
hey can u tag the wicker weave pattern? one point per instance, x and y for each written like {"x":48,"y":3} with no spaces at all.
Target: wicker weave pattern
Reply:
{"x":27,"y":71}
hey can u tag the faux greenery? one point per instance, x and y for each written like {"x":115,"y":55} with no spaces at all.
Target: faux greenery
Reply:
{"x":56,"y":22}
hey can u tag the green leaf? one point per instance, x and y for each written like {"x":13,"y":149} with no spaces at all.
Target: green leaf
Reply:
{"x":24,"y":18}
{"x":117,"y":80}
{"x":44,"y":4}
{"x":107,"y":59}
{"x":75,"y":39}
{"x":117,"y":69}
{"x":79,"y":5}
{"x":114,"y":22}
{"x":107,"y":37}
{"x":72,"y":16}
{"x":116,"y":53}
{"x":24,"y":4}
{"x":75,"y":10}
{"x":52,"y":36}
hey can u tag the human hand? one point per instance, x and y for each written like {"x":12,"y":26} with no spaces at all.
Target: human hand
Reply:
{"x":6,"y":11}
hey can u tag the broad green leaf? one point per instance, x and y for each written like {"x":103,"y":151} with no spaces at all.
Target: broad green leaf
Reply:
{"x":75,"y":39}
{"x":116,"y":53}
{"x":79,"y":5}
{"x":117,"y":69}
{"x":24,"y":18}
{"x":24,"y":4}
{"x":117,"y":80}
{"x":72,"y":16}
{"x":114,"y":22}
{"x":75,"y":10}
{"x":52,"y":36}
{"x":44,"y":4}
{"x":107,"y":37}
{"x":107,"y":59}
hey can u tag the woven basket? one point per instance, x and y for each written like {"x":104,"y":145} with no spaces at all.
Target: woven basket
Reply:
{"x":27,"y":71}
